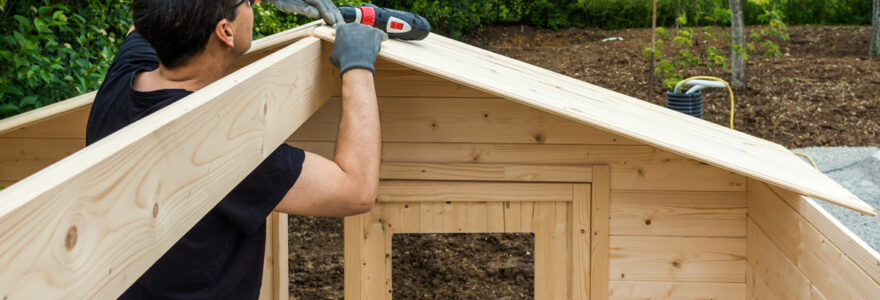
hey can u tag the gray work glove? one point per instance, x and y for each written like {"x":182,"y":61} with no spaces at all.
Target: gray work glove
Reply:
{"x":315,"y":9}
{"x":356,"y":46}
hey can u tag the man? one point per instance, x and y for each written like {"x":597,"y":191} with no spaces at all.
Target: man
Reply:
{"x":181,"y":46}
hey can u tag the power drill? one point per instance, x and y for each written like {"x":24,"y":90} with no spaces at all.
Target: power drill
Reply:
{"x":397,"y":24}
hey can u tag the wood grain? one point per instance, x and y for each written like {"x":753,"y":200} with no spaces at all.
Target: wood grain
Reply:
{"x":689,"y":259}
{"x":599,"y":219}
{"x":89,"y":225}
{"x":678,"y":213}
{"x":640,"y":290}
{"x":461,"y":120}
{"x":444,"y":191}
{"x":485,"y":172}
{"x":615,"y":112}
{"x":21,"y":157}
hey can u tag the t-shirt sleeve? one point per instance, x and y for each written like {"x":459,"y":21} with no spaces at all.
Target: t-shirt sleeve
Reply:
{"x":259,"y":193}
{"x":135,"y":52}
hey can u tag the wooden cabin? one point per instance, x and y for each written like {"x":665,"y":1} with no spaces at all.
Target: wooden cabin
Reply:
{"x":626,"y":199}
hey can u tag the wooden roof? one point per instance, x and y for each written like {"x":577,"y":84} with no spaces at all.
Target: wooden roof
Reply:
{"x":618,"y":113}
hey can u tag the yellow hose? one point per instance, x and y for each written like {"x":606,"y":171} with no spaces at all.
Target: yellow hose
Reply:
{"x":808,"y":157}
{"x":729,"y":89}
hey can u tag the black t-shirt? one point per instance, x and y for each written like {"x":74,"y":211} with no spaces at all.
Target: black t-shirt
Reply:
{"x":221,"y":257}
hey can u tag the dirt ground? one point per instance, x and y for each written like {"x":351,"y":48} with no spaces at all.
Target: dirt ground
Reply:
{"x":822,"y":92}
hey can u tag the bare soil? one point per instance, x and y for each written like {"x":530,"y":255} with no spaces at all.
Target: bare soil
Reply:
{"x":822,"y":92}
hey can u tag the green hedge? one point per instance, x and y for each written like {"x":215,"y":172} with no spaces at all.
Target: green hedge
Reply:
{"x":53,"y":50}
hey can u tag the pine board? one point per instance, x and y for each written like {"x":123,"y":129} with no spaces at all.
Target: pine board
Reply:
{"x":678,"y":213}
{"x":89,"y":244}
{"x":614,"y":112}
{"x":640,"y":290}
{"x":687,"y":259}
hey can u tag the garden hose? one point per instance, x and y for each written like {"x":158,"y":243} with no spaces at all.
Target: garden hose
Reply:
{"x":729,"y":89}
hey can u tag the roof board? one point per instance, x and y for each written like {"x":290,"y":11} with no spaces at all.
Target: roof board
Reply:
{"x":618,"y":113}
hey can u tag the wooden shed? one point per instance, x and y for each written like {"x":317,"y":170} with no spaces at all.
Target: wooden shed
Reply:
{"x":626,"y":199}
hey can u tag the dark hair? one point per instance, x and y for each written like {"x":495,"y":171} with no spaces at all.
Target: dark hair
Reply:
{"x":179,"y":29}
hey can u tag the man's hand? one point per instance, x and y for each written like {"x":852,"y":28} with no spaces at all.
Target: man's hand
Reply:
{"x":324,"y":9}
{"x":356,"y":46}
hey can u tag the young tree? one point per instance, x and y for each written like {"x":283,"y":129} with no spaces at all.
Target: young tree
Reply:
{"x":737,"y":56}
{"x":874,"y":50}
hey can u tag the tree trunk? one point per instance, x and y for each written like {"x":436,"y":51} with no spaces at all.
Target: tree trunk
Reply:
{"x":653,"y":50}
{"x":875,"y":33}
{"x":737,"y":32}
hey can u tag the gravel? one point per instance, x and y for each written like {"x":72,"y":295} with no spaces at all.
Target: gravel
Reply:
{"x":857,"y":169}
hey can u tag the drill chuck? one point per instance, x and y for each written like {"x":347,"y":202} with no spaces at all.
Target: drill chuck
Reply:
{"x":397,"y":24}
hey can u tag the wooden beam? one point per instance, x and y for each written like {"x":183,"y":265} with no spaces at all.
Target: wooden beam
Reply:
{"x":89,"y":225}
{"x":445,"y":191}
{"x":74,"y":112}
{"x":617,"y":113}
{"x":485,"y":172}
{"x":599,"y":219}
{"x":678,"y":213}
{"x":640,"y":290}
{"x":689,"y":259}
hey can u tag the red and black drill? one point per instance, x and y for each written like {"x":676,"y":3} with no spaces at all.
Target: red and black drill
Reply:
{"x":397,"y":24}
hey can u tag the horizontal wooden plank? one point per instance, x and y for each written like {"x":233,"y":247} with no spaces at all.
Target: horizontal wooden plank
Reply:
{"x":641,"y":290}
{"x":485,"y":172}
{"x":88,"y":226}
{"x":830,"y":270}
{"x":395,"y":80}
{"x":678,"y":213}
{"x":632,"y":167}
{"x":69,"y":124}
{"x":780,"y":274}
{"x":21,"y":157}
{"x":866,"y":257}
{"x":445,"y":191}
{"x":686,"y":259}
{"x":461,"y":120}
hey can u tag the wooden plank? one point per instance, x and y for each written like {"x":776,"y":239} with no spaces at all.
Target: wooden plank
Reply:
{"x":615,"y":112}
{"x":376,"y":252}
{"x":831,"y":271}
{"x":53,"y":123}
{"x":118,"y":205}
{"x":639,"y":290}
{"x":68,"y":118}
{"x":513,"y":217}
{"x":485,"y":172}
{"x":408,"y":219}
{"x":599,"y":220}
{"x":690,"y":259}
{"x":561,"y":267}
{"x":778,"y":272}
{"x":542,"y":224}
{"x":678,"y":213}
{"x":850,"y":244}
{"x":430,"y":217}
{"x":495,"y":216}
{"x":580,"y":242}
{"x":275,"y":279}
{"x":444,"y":191}
{"x":528,"y":216}
{"x":756,"y":288}
{"x":21,"y":157}
{"x":395,"y":80}
{"x":353,"y":261}
{"x":460,"y":120}
{"x":633,"y":167}
{"x":477,"y":217}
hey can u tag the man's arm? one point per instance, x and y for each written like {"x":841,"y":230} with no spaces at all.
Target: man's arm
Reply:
{"x":347,"y":185}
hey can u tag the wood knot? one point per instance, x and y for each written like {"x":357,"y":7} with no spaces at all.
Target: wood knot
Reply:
{"x":448,"y":202}
{"x":70,"y":238}
{"x":641,"y":172}
{"x":648,"y":222}
{"x":676,"y":264}
{"x":539,"y":138}
{"x":486,"y":115}
{"x":583,"y":231}
{"x":406,"y":206}
{"x":622,"y":275}
{"x":433,"y":124}
{"x":155,"y":210}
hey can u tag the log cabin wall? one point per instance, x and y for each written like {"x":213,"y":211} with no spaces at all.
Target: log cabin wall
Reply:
{"x":796,"y":250}
{"x":676,"y":227}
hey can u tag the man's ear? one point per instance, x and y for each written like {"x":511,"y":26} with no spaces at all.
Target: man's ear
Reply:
{"x":224,"y":32}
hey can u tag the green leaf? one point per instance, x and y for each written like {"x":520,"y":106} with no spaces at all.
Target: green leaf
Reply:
{"x":12,"y":90}
{"x":28,"y":101}
{"x":8,"y":108}
{"x":40,"y":25}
